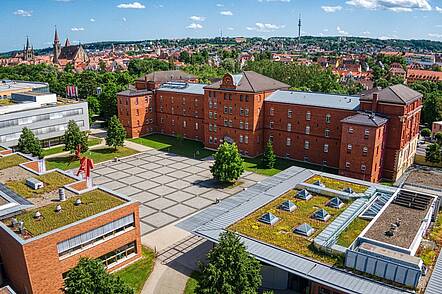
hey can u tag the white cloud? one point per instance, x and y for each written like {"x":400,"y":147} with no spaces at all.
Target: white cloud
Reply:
{"x":341,"y":31}
{"x":92,"y":20}
{"x":124,"y":19}
{"x":75,"y":29}
{"x":435,"y":35}
{"x":265,"y":27}
{"x":331,"y":9}
{"x":439,"y":9}
{"x":197,"y":18}
{"x":134,"y":5}
{"x":366,"y":33}
{"x":393,"y":5}
{"x":230,"y":29}
{"x":226,"y":13}
{"x":219,"y":5}
{"x":195,"y":26}
{"x":325,"y":30}
{"x":21,"y":12}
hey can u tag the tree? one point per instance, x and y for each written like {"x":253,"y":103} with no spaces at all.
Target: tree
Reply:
{"x":184,"y":57}
{"x":432,"y":107}
{"x":115,"y":133}
{"x":90,"y":276}
{"x":230,"y":268}
{"x":74,"y":137}
{"x":433,"y":153}
{"x":426,"y":132}
{"x":269,"y":158}
{"x":228,"y":165}
{"x":28,"y":143}
{"x":438,"y":138}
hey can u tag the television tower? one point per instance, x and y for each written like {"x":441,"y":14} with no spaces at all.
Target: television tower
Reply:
{"x":299,"y":31}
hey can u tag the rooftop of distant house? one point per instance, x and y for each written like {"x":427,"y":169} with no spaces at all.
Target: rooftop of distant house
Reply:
{"x":181,"y":87}
{"x":167,"y":75}
{"x":397,"y":94}
{"x":424,"y":74}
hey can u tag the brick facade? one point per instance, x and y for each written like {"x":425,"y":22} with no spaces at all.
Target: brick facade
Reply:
{"x":236,"y":109}
{"x":35,"y":266}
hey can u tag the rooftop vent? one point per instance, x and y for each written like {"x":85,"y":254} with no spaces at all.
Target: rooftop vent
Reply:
{"x":413,"y":200}
{"x":348,"y":190}
{"x":269,"y":218}
{"x":287,"y":206}
{"x":319,"y":183}
{"x":21,"y":226}
{"x":321,"y":214}
{"x":304,"y":195}
{"x":37,"y":215}
{"x":34,"y":183}
{"x":77,"y":202}
{"x":58,"y":208}
{"x":61,"y":194}
{"x":335,"y":203}
{"x":304,"y":230}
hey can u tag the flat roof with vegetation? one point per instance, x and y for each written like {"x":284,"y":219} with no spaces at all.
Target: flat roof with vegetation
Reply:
{"x":336,"y":184}
{"x":93,"y":202}
{"x":11,"y":160}
{"x":281,"y":234}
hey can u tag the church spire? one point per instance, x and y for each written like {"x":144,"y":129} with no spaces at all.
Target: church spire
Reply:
{"x":67,"y":43}
{"x":56,"y":39}
{"x":28,"y":45}
{"x":56,"y":48}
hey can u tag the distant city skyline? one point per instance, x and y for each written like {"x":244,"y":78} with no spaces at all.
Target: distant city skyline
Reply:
{"x":127,"y":20}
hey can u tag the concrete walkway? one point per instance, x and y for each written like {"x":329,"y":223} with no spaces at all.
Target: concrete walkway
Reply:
{"x":178,"y":253}
{"x":136,"y":146}
{"x":98,"y":146}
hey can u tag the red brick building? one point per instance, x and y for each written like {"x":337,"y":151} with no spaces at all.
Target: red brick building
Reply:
{"x":370,"y":137}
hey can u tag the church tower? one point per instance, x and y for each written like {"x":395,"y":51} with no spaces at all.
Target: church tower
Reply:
{"x":56,"y":48}
{"x":28,"y":51}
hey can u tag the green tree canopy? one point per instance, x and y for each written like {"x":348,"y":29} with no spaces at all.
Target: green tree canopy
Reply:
{"x":433,"y":153}
{"x":228,"y":166}
{"x":268,"y":158}
{"x":115,"y":133}
{"x":90,"y":276}
{"x":230,"y":268}
{"x":28,"y":143}
{"x":426,"y":132}
{"x":73,"y":137}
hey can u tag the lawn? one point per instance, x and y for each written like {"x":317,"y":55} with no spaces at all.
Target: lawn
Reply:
{"x":183,"y":147}
{"x":51,"y":182}
{"x":136,"y":274}
{"x":58,"y":149}
{"x":11,"y":160}
{"x":281,"y":234}
{"x":98,"y":155}
{"x":337,"y":185}
{"x":93,"y":202}
{"x":420,"y":159}
{"x":192,"y":283}
{"x":352,"y":231}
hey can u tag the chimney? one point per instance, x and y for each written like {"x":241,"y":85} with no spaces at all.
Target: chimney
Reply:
{"x":374,"y":103}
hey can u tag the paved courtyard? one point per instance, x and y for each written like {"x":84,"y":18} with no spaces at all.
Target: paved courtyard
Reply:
{"x":169,"y":187}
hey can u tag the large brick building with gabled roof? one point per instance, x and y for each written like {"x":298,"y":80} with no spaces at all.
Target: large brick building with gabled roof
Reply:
{"x":370,"y":136}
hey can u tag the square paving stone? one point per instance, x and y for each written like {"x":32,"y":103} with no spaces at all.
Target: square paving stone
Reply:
{"x":165,"y":170}
{"x":179,"y":196}
{"x":198,"y":202}
{"x":206,"y":174}
{"x":178,"y":158}
{"x":100,"y":180}
{"x":194,"y":170}
{"x":132,"y":180}
{"x":144,"y":196}
{"x":178,"y":184}
{"x":166,"y":162}
{"x":138,"y":162}
{"x":209,"y":183}
{"x":205,"y":164}
{"x":162,"y":190}
{"x":233,"y":190}
{"x":104,"y":171}
{"x":194,"y":179}
{"x":192,"y":161}
{"x":114,"y":185}
{"x":180,"y":165}
{"x":179,"y":174}
{"x":152,"y":159}
{"x":134,"y":170}
{"x":214,"y":194}
{"x":146,"y":185}
{"x":146,"y":210}
{"x":159,"y":219}
{"x":145,"y":228}
{"x":148,"y":174}
{"x":180,"y":210}
{"x":117,"y":175}
{"x":127,"y":191}
{"x":160,"y":203}
{"x":121,"y":166}
{"x":163,"y":179}
{"x":196,"y":190}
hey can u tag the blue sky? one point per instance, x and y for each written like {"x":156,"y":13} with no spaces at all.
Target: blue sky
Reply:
{"x":102,"y":20}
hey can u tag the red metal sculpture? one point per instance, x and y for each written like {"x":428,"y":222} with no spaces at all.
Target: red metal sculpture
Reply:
{"x":86,"y":165}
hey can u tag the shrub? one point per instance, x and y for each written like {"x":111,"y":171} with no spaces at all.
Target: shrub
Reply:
{"x":228,"y":165}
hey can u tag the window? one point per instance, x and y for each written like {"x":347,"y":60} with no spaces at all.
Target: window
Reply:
{"x":230,"y":110}
{"x":226,"y":123}
{"x":289,"y":127}
{"x":306,"y":145}
{"x":210,"y":114}
{"x":347,"y":164}
{"x":225,"y":109}
{"x":210,"y":104}
{"x":210,"y":127}
{"x":241,"y":125}
{"x":196,"y":126}
{"x":289,"y":114}
{"x":271,"y":125}
{"x":246,"y":112}
{"x":272,"y":111}
{"x":289,"y":142}
{"x":327,"y":118}
{"x":230,"y":123}
{"x":366,"y":133}
{"x":325,"y":148}
{"x":308,"y":115}
{"x":210,"y":140}
{"x":327,"y":133}
{"x":214,"y":128}
{"x":241,"y":138}
{"x":240,"y":98}
{"x":246,"y":139}
{"x":112,"y":258}
{"x":138,"y":112}
{"x":271,"y":138}
{"x":214,"y":115}
{"x":247,"y":98}
{"x":246,"y":125}
{"x":241,"y":111}
{"x":349,"y":147}
{"x":365,"y":151}
{"x":350,"y":130}
{"x":363,"y":167}
{"x":136,"y":101}
{"x":307,"y":130}
{"x":215,"y":140}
